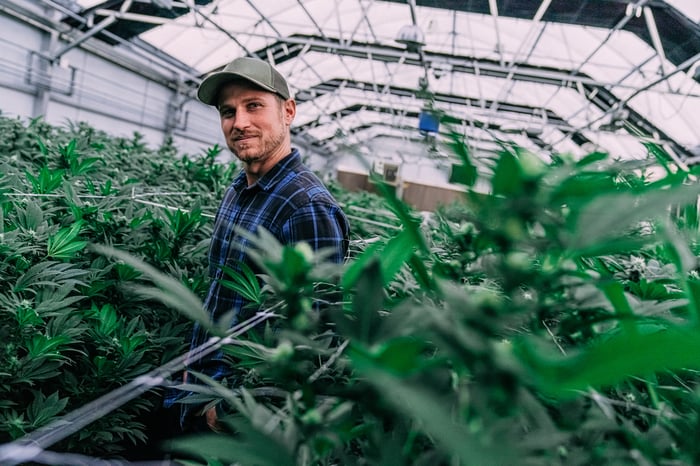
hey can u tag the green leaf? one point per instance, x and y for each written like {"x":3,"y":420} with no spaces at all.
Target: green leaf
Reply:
{"x":420,"y":272}
{"x":611,"y":361}
{"x":399,"y":356}
{"x":169,"y":290}
{"x":357,"y":266}
{"x":63,"y":245}
{"x":44,"y":408}
{"x":678,"y":249}
{"x":85,"y":165}
{"x":409,"y":221}
{"x":250,"y":448}
{"x":368,"y":301}
{"x":184,"y":223}
{"x":435,"y":419}
{"x":392,"y":257}
{"x":507,"y":178}
{"x":582,"y":187}
{"x":611,"y":216}
{"x":42,"y":345}
{"x":464,"y":173}
{"x":591,"y":158}
{"x":245,"y":283}
{"x":108,"y":319}
{"x":46,"y":181}
{"x":69,"y":150}
{"x":615,"y":293}
{"x":42,"y":147}
{"x":397,"y":251}
{"x":50,"y":273}
{"x":40,"y":368}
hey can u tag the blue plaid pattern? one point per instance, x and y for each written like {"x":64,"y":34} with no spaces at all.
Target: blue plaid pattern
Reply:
{"x":289,"y":201}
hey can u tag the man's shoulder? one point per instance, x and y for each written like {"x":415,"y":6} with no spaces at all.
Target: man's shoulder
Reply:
{"x":304,"y":183}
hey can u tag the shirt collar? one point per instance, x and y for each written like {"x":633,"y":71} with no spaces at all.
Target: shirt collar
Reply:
{"x":272,"y":177}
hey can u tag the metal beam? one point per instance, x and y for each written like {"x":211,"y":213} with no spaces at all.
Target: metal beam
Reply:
{"x":289,"y":47}
{"x":655,"y":38}
{"x":596,"y":92}
{"x":99,"y":48}
{"x":126,"y":16}
{"x":470,"y":102}
{"x":91,"y":33}
{"x":468,"y":122}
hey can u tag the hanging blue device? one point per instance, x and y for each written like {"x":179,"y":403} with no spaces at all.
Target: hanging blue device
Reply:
{"x":428,"y":121}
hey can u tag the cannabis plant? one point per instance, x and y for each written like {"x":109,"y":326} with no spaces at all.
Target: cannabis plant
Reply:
{"x":72,"y":329}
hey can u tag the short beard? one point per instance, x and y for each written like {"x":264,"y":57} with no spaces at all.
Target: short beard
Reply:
{"x":269,"y":145}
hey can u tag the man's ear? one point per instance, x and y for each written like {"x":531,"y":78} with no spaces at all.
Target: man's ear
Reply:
{"x":290,"y":110}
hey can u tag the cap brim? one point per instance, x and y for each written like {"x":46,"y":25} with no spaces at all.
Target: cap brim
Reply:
{"x":209,"y":89}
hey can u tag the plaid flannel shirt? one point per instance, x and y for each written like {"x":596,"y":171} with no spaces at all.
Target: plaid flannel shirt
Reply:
{"x":292,"y":203}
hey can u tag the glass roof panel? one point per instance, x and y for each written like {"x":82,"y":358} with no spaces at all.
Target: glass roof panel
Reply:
{"x":85,"y":4}
{"x":690,"y":8}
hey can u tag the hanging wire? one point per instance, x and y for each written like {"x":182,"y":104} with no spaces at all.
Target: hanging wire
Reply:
{"x":134,"y":197}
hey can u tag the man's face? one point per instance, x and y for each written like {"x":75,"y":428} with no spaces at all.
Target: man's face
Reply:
{"x":255,"y":124}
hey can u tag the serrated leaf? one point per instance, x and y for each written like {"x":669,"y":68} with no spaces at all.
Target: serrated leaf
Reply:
{"x":245,"y":282}
{"x":611,"y":216}
{"x":611,"y":361}
{"x":168,"y":290}
{"x":436,"y":420}
{"x":63,"y":244}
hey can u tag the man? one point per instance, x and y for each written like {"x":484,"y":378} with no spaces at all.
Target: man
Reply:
{"x":275,"y":190}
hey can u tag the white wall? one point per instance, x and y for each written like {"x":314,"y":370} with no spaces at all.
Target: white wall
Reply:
{"x":416,"y":163}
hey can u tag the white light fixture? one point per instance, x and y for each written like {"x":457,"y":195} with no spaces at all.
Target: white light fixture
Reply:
{"x":635,"y":10}
{"x":412,"y":37}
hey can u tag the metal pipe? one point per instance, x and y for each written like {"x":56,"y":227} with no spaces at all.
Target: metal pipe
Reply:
{"x":92,"y":32}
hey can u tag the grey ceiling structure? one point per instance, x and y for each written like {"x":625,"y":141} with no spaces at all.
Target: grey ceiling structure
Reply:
{"x":552,"y":75}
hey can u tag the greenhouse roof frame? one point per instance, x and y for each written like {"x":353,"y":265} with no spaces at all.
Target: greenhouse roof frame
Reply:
{"x":576,"y":100}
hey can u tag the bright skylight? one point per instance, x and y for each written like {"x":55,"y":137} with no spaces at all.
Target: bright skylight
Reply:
{"x":690,"y":8}
{"x":85,"y":4}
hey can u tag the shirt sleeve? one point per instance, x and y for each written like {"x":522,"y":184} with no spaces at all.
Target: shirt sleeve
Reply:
{"x":322,"y":225}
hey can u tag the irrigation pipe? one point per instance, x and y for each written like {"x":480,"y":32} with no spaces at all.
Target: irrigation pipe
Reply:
{"x":137,"y":198}
{"x":28,"y":447}
{"x":73,"y":459}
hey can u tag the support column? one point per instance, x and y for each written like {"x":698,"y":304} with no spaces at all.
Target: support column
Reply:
{"x":176,"y":116}
{"x":44,"y":68}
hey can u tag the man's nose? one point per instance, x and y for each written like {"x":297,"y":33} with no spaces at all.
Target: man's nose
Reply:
{"x":242,"y":120}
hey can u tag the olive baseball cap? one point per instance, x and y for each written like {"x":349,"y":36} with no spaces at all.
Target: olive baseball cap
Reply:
{"x":254,"y":70}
